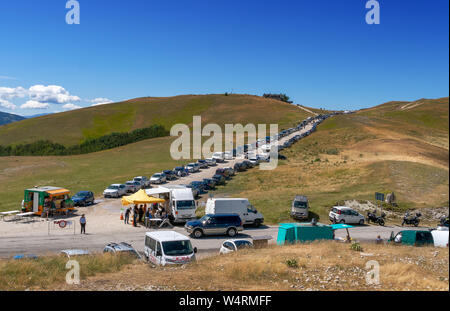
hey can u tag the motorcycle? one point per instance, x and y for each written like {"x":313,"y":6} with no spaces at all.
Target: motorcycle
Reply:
{"x":372,"y":217}
{"x":413,"y":220}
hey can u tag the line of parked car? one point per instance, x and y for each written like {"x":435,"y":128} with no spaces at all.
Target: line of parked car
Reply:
{"x":251,"y":159}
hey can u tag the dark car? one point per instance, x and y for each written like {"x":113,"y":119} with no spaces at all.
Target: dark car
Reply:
{"x":220,"y":179}
{"x":248,"y":164}
{"x":202,"y":163}
{"x":122,"y":248}
{"x":223,"y":172}
{"x":199,"y":185}
{"x":180,"y":171}
{"x":170,"y":175}
{"x":220,"y":224}
{"x":83,"y":198}
{"x":209,"y":183}
{"x":239,"y":167}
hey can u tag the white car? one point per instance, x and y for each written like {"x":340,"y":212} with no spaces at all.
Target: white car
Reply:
{"x":440,"y":237}
{"x":130,"y":186}
{"x":228,"y":155}
{"x":143,"y":180}
{"x":230,"y":246}
{"x":193,"y":168}
{"x":211,"y":162}
{"x":344,"y":214}
{"x":218,"y":156}
{"x":158,"y":178}
{"x":115,"y":191}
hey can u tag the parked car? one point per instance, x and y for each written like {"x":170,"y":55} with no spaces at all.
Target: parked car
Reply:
{"x":230,"y":170}
{"x":170,"y":175}
{"x":299,"y":208}
{"x":115,"y":191}
{"x":198,"y":166}
{"x":220,"y":179}
{"x":158,"y":178}
{"x":230,"y":246}
{"x":122,"y":248}
{"x":218,"y":156}
{"x":209,"y":183}
{"x":192,"y":168}
{"x":440,"y":237}
{"x":74,"y":252}
{"x":412,"y":237}
{"x":130,"y":186}
{"x":83,"y":198}
{"x":223,"y":172}
{"x":228,"y":155}
{"x":138,"y":185}
{"x":229,"y":224}
{"x":211,"y":161}
{"x":239,"y":167}
{"x":344,"y":214}
{"x":145,"y":182}
{"x":202,"y":163}
{"x":248,"y":164}
{"x":180,"y":171}
{"x":199,"y":185}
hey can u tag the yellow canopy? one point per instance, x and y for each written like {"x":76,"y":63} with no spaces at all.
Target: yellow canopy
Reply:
{"x":140,"y":197}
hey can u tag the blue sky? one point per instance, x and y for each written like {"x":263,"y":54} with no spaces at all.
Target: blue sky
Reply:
{"x":320,"y":53}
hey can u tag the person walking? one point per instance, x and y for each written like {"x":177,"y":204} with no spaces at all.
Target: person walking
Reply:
{"x":83,"y":224}
{"x":127,"y":215}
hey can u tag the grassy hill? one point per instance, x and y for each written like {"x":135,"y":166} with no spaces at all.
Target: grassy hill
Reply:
{"x":397,"y":146}
{"x":6,"y":118}
{"x":96,"y":171}
{"x":73,"y":127}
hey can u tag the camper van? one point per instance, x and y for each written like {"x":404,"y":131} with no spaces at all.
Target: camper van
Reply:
{"x":168,"y":248}
{"x":242,"y":207}
{"x":180,"y":203}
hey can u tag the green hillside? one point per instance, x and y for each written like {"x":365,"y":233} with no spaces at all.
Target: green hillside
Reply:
{"x":73,"y":127}
{"x":397,"y":146}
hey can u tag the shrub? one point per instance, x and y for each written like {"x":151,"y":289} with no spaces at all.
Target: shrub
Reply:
{"x":292,"y":263}
{"x":113,"y":140}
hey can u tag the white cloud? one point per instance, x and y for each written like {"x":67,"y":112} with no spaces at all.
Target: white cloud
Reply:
{"x":51,"y":94}
{"x":71,"y":107}
{"x":7,"y":104}
{"x":12,"y":92}
{"x":32,"y":104}
{"x":100,"y":101}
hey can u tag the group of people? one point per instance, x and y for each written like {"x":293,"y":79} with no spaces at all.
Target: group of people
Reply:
{"x":138,"y":213}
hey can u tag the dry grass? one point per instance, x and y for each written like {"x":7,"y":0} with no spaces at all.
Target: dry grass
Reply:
{"x":319,"y":266}
{"x":50,"y":271}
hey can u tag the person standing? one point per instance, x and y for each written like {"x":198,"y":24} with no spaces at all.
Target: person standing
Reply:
{"x":127,"y":215}
{"x":141,"y":213}
{"x":135,"y":216}
{"x":83,"y":224}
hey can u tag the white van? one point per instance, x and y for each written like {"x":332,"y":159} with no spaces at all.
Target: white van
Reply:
{"x":168,"y":248}
{"x":242,"y":207}
{"x":440,"y":238}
